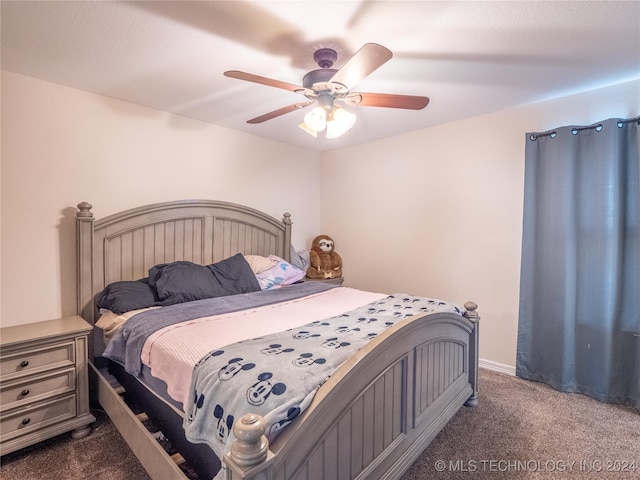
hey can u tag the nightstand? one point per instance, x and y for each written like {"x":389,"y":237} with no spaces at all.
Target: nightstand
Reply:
{"x":44,"y":388}
{"x":333,"y":281}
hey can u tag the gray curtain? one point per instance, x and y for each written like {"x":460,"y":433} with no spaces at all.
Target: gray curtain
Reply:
{"x":579,"y":320}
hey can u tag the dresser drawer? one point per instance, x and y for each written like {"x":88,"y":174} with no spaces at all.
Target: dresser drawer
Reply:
{"x":36,"y":387}
{"x":31,"y":361}
{"x":39,"y":416}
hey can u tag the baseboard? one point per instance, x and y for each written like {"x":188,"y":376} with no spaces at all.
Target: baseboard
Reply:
{"x":497,"y":367}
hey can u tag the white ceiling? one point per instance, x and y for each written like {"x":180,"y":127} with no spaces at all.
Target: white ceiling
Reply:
{"x":468,"y":57}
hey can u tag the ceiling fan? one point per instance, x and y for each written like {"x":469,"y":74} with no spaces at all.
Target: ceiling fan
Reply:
{"x":327,"y":88}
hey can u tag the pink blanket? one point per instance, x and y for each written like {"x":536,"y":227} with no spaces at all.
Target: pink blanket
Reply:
{"x":172,"y":352}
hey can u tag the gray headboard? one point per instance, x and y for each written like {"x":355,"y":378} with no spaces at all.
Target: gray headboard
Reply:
{"x":125,"y":245}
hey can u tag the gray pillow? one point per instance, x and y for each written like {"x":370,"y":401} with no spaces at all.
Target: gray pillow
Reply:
{"x":234,"y":275}
{"x":184,"y":281}
{"x":127,"y":295}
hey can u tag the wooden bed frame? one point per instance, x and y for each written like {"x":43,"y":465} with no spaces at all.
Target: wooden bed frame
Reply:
{"x":370,"y":420}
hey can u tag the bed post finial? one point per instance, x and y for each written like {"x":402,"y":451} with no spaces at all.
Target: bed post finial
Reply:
{"x":251,"y":446}
{"x":84,"y":210}
{"x":471,"y":313}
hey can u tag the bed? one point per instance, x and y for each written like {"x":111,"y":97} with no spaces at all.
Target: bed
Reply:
{"x":379,"y":408}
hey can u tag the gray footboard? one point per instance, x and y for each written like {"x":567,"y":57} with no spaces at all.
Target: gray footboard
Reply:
{"x":377,"y":413}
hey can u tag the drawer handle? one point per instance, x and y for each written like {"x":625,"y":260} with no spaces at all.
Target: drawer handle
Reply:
{"x":24,"y":363}
{"x":24,"y":392}
{"x":26,"y":421}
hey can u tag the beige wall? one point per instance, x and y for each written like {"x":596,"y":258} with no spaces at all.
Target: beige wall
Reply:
{"x":61,"y":146}
{"x":438,"y":212}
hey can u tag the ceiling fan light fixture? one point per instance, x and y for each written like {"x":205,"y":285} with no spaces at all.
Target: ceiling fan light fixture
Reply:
{"x":304,"y":127}
{"x":340,"y":123}
{"x":316,"y":119}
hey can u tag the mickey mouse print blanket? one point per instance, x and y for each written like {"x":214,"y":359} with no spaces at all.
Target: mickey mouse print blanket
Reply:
{"x":277,"y":375}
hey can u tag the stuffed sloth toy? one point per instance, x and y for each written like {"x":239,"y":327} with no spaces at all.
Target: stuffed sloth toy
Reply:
{"x":323,"y":261}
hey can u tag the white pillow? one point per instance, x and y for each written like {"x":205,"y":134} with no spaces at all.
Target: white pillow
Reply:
{"x":260,"y":264}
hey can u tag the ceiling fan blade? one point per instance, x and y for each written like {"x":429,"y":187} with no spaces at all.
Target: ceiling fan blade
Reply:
{"x":366,"y":60}
{"x":249,"y":77}
{"x":388,"y":100}
{"x":277,"y":113}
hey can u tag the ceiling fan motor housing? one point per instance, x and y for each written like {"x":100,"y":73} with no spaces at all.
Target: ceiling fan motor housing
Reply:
{"x":320,"y":80}
{"x":320,"y":76}
{"x":325,"y":57}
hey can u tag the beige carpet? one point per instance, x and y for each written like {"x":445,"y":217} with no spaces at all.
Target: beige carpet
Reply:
{"x":521,"y":429}
{"x":103,"y":455}
{"x":526,"y":430}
